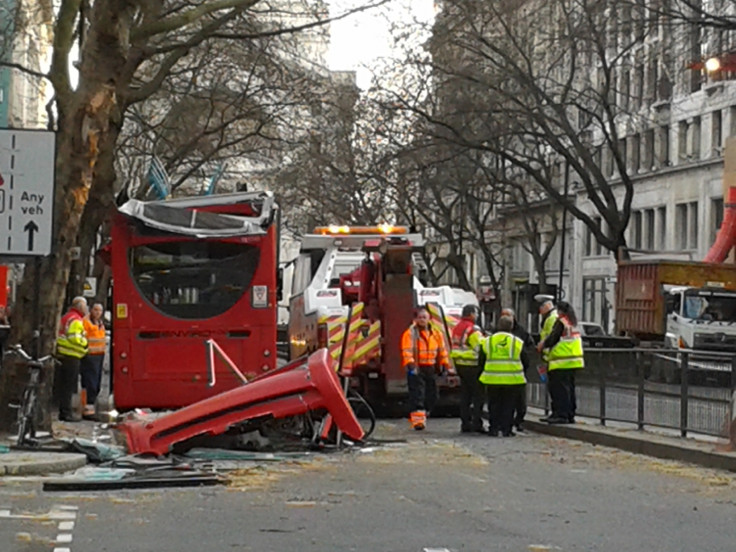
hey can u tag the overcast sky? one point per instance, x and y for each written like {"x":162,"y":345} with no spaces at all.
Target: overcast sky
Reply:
{"x":364,"y":37}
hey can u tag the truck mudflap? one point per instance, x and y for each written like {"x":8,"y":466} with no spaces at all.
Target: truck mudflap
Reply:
{"x":295,"y":389}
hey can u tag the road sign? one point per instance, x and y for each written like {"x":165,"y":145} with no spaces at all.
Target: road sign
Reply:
{"x":26,"y":191}
{"x":90,"y":287}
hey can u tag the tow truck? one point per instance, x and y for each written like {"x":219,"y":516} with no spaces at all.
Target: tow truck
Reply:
{"x":355,"y":291}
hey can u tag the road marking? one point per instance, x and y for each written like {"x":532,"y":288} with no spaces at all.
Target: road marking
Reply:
{"x":53,"y":515}
{"x":69,"y":514}
{"x":64,"y":514}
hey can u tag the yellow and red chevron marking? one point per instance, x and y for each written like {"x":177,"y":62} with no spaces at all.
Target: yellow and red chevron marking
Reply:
{"x":355,"y":323}
{"x":370,"y":345}
{"x":335,"y":336}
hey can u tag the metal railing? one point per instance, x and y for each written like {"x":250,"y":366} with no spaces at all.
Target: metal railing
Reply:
{"x":678,"y":389}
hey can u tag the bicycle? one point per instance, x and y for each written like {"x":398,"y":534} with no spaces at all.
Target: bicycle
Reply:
{"x":27,"y":406}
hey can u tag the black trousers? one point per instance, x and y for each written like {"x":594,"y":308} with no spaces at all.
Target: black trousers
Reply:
{"x":562,"y":393}
{"x":422,"y":389}
{"x":520,"y":406}
{"x":501,"y":402}
{"x":472,"y":396}
{"x":90,"y":368}
{"x":66,"y":378}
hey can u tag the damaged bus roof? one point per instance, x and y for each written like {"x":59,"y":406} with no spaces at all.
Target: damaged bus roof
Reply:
{"x":190,"y":216}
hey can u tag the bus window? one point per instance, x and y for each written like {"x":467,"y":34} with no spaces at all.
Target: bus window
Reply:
{"x":193,"y":279}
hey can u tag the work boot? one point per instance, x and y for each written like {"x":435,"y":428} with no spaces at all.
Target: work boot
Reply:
{"x":557,"y":420}
{"x":418,"y":419}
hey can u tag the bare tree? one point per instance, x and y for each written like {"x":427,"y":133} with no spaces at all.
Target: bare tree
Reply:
{"x":128,"y":50}
{"x":528,"y":90}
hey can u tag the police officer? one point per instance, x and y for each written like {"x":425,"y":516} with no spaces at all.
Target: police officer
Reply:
{"x":565,"y":356}
{"x":423,"y":354}
{"x":466,"y":341}
{"x":503,"y":375}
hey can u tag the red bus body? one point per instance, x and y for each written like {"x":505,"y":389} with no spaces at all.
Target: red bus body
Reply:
{"x":176,"y":287}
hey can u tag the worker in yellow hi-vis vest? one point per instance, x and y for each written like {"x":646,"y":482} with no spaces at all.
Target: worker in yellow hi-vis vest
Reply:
{"x":565,"y":357}
{"x":503,"y":376}
{"x":71,"y":347}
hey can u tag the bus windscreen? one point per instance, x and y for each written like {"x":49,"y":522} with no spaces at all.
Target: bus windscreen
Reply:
{"x":195,"y":279}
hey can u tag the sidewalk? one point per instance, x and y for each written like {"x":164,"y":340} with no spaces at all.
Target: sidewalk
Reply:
{"x":695,"y":449}
{"x":44,"y":462}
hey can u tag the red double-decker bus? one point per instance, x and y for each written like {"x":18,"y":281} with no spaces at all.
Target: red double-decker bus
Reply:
{"x":187,"y":271}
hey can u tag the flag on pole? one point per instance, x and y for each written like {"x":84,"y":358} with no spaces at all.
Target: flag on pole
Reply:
{"x":158,"y":179}
{"x":215,"y":178}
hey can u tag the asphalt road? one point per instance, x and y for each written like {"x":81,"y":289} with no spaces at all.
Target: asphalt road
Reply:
{"x":439,"y":490}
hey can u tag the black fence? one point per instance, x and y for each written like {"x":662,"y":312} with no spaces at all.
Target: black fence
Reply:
{"x":685,"y":390}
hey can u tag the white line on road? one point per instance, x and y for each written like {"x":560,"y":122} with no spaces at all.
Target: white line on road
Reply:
{"x":66,"y":526}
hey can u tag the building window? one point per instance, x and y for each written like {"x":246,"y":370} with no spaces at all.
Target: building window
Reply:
{"x":648,"y":151}
{"x":625,"y":89}
{"x":716,"y":132}
{"x":610,"y":164}
{"x":635,"y":153}
{"x":686,"y":222}
{"x":622,"y":151}
{"x":732,"y":117}
{"x":695,"y":139}
{"x":636,"y":230}
{"x":696,"y":79}
{"x":682,"y":141}
{"x":663,"y":149}
{"x":592,"y":247}
{"x":662,"y":228}
{"x":595,"y":302}
{"x":648,"y":229}
{"x":716,"y":217}
{"x":638,"y":85}
{"x":653,"y":79}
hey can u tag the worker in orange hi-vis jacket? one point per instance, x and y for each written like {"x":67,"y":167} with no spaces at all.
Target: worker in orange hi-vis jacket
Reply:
{"x":423,"y":355}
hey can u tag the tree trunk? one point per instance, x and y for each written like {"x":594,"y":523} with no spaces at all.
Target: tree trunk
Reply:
{"x":98,"y":209}
{"x":89,"y":118}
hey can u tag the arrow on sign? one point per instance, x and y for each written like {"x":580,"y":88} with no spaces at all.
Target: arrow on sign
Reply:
{"x":31,"y":228}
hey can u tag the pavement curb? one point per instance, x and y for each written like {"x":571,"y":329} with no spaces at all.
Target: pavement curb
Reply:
{"x":32,"y":464}
{"x":645,"y":443}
